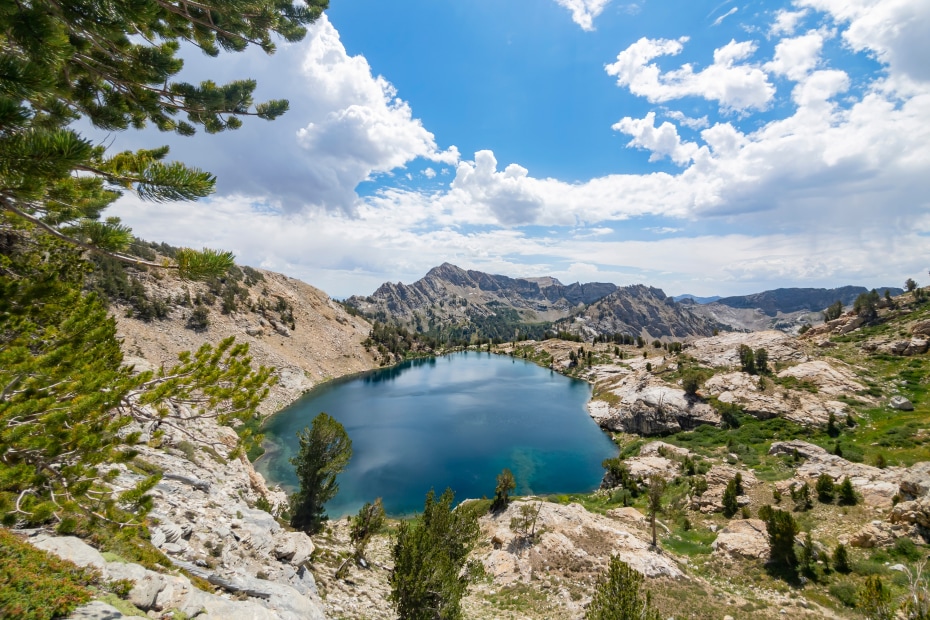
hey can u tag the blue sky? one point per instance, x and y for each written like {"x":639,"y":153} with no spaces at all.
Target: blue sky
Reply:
{"x":710,"y":148}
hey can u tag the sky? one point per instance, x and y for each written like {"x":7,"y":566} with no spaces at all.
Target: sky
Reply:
{"x":711,"y":148}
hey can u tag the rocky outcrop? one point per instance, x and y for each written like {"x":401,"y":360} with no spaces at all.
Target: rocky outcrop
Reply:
{"x":745,"y":538}
{"x":573,"y":542}
{"x":717,"y":478}
{"x":723,"y":350}
{"x":876,"y":486}
{"x":762,"y":399}
{"x":647,"y":406}
{"x":163,"y":592}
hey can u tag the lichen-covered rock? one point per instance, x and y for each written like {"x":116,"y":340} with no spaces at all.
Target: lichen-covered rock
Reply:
{"x":901,"y":403}
{"x":72,"y":549}
{"x":916,"y":512}
{"x":874,"y":534}
{"x":745,"y":538}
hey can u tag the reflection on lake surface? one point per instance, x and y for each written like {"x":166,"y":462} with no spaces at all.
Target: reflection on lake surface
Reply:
{"x":454,"y":421}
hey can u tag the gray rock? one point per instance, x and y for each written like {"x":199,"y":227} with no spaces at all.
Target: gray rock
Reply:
{"x":255,"y":331}
{"x":901,"y":403}
{"x":915,"y":482}
{"x":281,"y":328}
{"x":158,"y":537}
{"x":96,"y":610}
{"x":72,"y":549}
{"x":148,"y":584}
{"x":805,"y":450}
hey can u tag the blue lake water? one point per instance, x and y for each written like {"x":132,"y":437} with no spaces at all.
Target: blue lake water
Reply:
{"x":454,"y":421}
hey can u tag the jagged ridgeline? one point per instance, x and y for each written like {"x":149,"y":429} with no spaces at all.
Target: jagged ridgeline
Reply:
{"x":458,"y":306}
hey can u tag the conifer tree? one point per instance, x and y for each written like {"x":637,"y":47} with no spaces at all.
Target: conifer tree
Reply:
{"x":114,"y":64}
{"x":325,"y":450}
{"x":618,"y":597}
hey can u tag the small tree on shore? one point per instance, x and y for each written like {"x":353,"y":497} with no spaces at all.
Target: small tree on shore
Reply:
{"x":826,"y":488}
{"x":370,"y":519}
{"x":325,"y":450}
{"x":505,"y":484}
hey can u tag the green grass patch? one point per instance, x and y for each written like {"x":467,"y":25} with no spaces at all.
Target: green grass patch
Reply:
{"x":690,"y":542}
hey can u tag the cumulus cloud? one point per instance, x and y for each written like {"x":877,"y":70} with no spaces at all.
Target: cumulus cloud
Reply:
{"x":895,"y":32}
{"x":733,"y":85}
{"x":584,"y":11}
{"x":662,"y":141}
{"x":786,"y":22}
{"x":429,"y":173}
{"x":796,"y":57}
{"x":359,"y":126}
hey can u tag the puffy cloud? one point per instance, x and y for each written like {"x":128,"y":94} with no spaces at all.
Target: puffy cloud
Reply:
{"x":429,"y":173}
{"x":734,"y":86}
{"x":663,"y":141}
{"x":786,"y":22}
{"x":359,"y":126}
{"x":796,"y":57}
{"x":895,"y":31}
{"x":584,"y":11}
{"x":510,"y":199}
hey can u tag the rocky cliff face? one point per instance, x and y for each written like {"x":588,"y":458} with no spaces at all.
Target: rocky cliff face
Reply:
{"x":639,"y":311}
{"x":449,"y":294}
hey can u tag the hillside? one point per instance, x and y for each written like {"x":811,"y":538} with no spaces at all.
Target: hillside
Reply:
{"x":456,"y":303}
{"x":288,"y":324}
{"x":638,"y":310}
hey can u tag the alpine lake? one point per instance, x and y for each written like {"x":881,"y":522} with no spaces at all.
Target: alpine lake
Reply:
{"x":454,"y":421}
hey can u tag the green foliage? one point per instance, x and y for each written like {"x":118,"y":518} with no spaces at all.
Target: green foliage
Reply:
{"x":866,"y":305}
{"x":747,"y":361}
{"x":114,"y":65}
{"x":833,"y":312}
{"x":325,"y":450}
{"x":35,"y":585}
{"x":524,"y":524}
{"x":367,"y":522}
{"x":909,"y":285}
{"x":654,"y":501}
{"x":618,"y":596}
{"x":875,"y":600}
{"x":431,"y":572}
{"x":781,"y":529}
{"x":730,"y":505}
{"x":505,"y":484}
{"x":199,"y":318}
{"x":67,"y":398}
{"x":762,"y":360}
{"x":825,"y":488}
{"x":845,"y":592}
{"x":801,"y":495}
{"x":691,"y":382}
{"x":847,"y":494}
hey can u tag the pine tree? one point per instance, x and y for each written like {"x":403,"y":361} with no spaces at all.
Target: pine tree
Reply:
{"x":781,"y":528}
{"x":370,"y":519}
{"x":325,"y":450}
{"x":67,"y":399}
{"x":730,"y":504}
{"x":431,"y":568}
{"x":114,"y":64}
{"x":505,"y":484}
{"x":847,"y":494}
{"x":654,"y":501}
{"x":841,"y":559}
{"x":825,"y":488}
{"x":617,"y":597}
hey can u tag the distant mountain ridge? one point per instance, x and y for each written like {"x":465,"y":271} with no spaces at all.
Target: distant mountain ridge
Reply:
{"x":696,"y":299}
{"x":787,"y":300}
{"x":459,"y":302}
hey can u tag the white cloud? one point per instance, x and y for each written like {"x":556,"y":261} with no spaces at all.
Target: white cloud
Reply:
{"x":687,"y":121}
{"x":895,"y":31}
{"x":734,"y":86}
{"x":663,"y":141}
{"x":359,"y":127}
{"x":429,"y":173}
{"x":511,"y":200}
{"x":720,"y":19}
{"x":796,"y":57}
{"x":786,"y":22}
{"x":584,"y":11}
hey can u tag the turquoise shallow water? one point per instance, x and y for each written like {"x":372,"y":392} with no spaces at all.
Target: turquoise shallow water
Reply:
{"x":454,"y":421}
